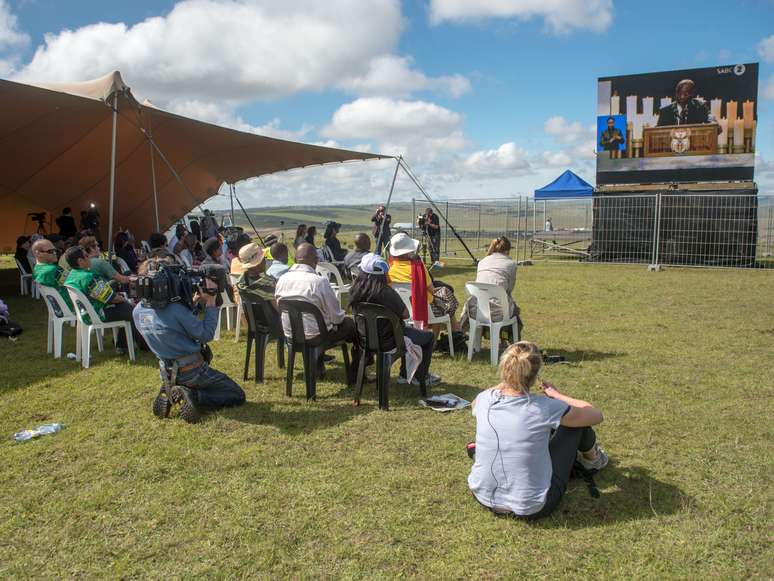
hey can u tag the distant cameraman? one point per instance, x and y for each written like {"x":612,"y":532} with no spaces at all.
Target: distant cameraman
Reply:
{"x":178,"y":337}
{"x":382,"y":222}
{"x":432,"y":228}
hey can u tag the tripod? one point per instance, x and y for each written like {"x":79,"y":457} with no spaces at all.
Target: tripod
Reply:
{"x":425,"y":243}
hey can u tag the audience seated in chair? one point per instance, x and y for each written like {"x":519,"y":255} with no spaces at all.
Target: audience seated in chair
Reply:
{"x":99,"y":265}
{"x":332,"y":242}
{"x":362,"y":247}
{"x":279,"y":260}
{"x":407,"y":268}
{"x":235,"y":243}
{"x":125,"y":250}
{"x":109,"y":304}
{"x":47,"y":272}
{"x":496,"y":268}
{"x":370,"y":286}
{"x":303,"y":283}
{"x":23,"y":245}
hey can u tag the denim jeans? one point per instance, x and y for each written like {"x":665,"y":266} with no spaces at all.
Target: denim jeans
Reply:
{"x":425,"y":340}
{"x":212,"y":388}
{"x":563,"y":447}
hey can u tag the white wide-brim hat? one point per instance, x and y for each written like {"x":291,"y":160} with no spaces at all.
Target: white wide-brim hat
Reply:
{"x":402,"y":244}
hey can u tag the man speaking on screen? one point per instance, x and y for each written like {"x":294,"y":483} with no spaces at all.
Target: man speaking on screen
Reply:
{"x":686,"y":109}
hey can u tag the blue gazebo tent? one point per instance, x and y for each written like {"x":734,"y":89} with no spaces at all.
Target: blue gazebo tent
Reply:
{"x":567,"y":185}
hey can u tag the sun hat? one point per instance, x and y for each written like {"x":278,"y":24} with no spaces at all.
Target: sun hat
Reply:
{"x":373,"y":264}
{"x":251,"y":255}
{"x":402,"y":244}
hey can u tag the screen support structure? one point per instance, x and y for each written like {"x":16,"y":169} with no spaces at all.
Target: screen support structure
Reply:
{"x":402,"y":164}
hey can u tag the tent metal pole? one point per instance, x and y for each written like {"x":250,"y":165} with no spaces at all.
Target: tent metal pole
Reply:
{"x":409,"y":173}
{"x":387,"y":206}
{"x":112,"y":177}
{"x":171,"y":169}
{"x":248,"y":217}
{"x":231,"y":190}
{"x":155,"y":192}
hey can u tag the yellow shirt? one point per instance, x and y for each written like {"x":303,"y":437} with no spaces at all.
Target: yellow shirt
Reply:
{"x":400,"y":272}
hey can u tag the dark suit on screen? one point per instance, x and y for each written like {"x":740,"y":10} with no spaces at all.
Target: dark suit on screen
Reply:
{"x":696,"y":111}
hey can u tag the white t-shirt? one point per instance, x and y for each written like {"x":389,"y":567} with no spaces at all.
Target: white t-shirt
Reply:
{"x":512,"y":470}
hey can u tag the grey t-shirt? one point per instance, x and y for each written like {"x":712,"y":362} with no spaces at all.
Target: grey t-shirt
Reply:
{"x":512,"y":470}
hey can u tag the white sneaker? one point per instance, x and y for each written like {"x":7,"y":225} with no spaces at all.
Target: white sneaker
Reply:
{"x":597,"y":463}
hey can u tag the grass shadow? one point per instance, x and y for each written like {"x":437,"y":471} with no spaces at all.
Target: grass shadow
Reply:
{"x":294,"y":416}
{"x":628,"y":493}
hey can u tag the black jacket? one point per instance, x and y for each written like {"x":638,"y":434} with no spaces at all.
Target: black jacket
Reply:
{"x":697,"y":112}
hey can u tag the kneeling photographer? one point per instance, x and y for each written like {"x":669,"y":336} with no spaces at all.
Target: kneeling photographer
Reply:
{"x":170,"y":298}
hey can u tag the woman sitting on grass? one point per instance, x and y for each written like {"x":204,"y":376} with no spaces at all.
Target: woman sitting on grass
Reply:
{"x":520,"y":468}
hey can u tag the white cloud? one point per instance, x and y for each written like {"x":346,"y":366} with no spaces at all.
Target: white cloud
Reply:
{"x":555,"y":159}
{"x":766,"y":49}
{"x":417,"y":129}
{"x":233,"y":49}
{"x":10,"y":35}
{"x":391,"y":75}
{"x":566,"y":132}
{"x":768,"y":89}
{"x":560,"y":16}
{"x":508,"y":159}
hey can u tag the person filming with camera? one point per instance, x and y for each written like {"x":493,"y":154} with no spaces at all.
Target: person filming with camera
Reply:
{"x":431,"y":226}
{"x":178,"y":337}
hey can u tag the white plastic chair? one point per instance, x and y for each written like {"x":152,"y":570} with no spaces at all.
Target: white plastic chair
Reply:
{"x":404,"y":290}
{"x":484,"y":292}
{"x":329,"y":271}
{"x":53,"y":300}
{"x":238,"y":324}
{"x":25,"y":280}
{"x":122,"y":266}
{"x":83,"y":308}
{"x":227,"y":305}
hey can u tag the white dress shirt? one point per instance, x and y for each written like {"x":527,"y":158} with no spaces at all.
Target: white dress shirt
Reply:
{"x":303,"y":283}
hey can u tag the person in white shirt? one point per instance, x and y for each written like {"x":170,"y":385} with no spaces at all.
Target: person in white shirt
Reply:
{"x":180,"y":231}
{"x":303,"y":283}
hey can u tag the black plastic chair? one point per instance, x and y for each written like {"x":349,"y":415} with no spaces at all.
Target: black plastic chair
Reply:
{"x":262,"y":325}
{"x":367,"y":316}
{"x":310,"y":349}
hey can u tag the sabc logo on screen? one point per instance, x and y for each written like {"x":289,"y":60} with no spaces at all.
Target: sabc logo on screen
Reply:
{"x":738,"y":70}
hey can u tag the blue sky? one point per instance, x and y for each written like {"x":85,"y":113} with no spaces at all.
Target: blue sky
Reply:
{"x":485,"y":98}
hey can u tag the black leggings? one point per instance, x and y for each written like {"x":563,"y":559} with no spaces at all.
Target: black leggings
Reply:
{"x":563,"y":447}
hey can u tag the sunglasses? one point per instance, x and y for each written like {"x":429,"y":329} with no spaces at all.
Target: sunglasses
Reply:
{"x":48,"y":251}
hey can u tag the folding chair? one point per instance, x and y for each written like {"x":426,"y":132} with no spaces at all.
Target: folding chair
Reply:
{"x":58,"y":314}
{"x":310,"y":349}
{"x":262,"y":325}
{"x":484,"y":293}
{"x":404,"y":290}
{"x":367,"y":317}
{"x":83,"y":309}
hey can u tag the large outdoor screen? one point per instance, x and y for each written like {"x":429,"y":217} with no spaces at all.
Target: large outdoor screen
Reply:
{"x":695,"y":125}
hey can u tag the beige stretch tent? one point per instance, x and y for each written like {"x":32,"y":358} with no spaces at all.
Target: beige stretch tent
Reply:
{"x":56,"y":146}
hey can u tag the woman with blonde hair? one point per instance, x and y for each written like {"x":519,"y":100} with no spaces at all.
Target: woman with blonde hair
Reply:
{"x":526,"y":444}
{"x":499,"y":269}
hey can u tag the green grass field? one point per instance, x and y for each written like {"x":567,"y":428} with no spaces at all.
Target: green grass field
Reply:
{"x":679,"y":361}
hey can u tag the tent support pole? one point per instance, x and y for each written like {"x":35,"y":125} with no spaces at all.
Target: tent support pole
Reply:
{"x":387,"y":206}
{"x":171,"y":169}
{"x":248,"y":217}
{"x":155,"y":191}
{"x":410,"y":174}
{"x":232,"y":187}
{"x":112,"y":177}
